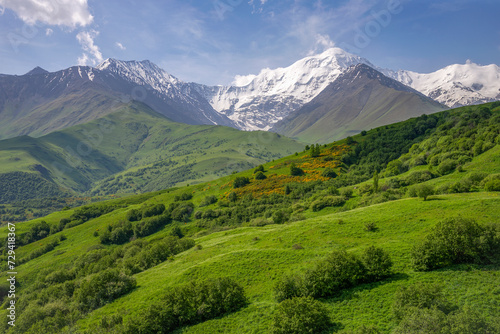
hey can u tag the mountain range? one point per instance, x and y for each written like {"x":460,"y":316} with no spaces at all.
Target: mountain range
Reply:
{"x":40,"y":102}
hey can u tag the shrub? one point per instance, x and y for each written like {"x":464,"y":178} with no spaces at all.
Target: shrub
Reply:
{"x":301,"y":315}
{"x":134,"y":215}
{"x":422,"y":321}
{"x":210,"y":199}
{"x":296,"y":171}
{"x":377,"y":263}
{"x":154,"y":210}
{"x":240,"y":181}
{"x":447,"y":166}
{"x":260,"y":176}
{"x":151,"y":225}
{"x":418,"y":177}
{"x":189,"y":304}
{"x":418,"y":295}
{"x":493,"y":185}
{"x":328,"y":172}
{"x":370,"y":227}
{"x":326,"y":202}
{"x":289,"y":286}
{"x":102,"y":288}
{"x":338,"y":271}
{"x":260,"y":168}
{"x":183,"y":197}
{"x":455,"y":241}
{"x":182,"y":212}
{"x":279,"y":217}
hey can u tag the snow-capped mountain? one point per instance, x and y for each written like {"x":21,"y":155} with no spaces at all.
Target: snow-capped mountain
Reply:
{"x":257,"y":102}
{"x":154,"y":86}
{"x":40,"y":102}
{"x":455,"y":85}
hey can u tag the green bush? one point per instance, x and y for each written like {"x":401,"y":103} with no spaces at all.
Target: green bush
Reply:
{"x":301,"y":315}
{"x":418,"y":295}
{"x":151,"y":225}
{"x":134,"y":215}
{"x":260,"y":176}
{"x":183,"y":197}
{"x":289,"y":286}
{"x":329,"y":173}
{"x":153,"y":210}
{"x":493,"y":185}
{"x":240,"y":181}
{"x":103,"y":288}
{"x":259,"y":168}
{"x":422,"y":321}
{"x":327,"y":202}
{"x":377,"y":262}
{"x":340,"y":270}
{"x":455,"y":241}
{"x":447,"y":166}
{"x":296,"y":171}
{"x":189,"y":304}
{"x":207,"y":200}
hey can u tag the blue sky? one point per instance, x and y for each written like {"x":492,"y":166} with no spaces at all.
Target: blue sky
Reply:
{"x":211,"y":41}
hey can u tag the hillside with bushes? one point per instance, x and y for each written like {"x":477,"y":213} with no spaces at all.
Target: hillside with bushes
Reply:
{"x":394,"y":230}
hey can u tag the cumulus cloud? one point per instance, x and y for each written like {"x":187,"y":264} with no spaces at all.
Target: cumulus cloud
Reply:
{"x":91,"y":53}
{"x":120,"y":46}
{"x":69,"y":13}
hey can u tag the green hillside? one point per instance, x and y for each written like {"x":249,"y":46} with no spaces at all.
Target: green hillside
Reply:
{"x":110,"y":267}
{"x":132,"y":150}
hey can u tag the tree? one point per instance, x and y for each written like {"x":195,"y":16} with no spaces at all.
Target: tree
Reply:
{"x":424,"y":191}
{"x":375,"y":181}
{"x":315,"y":151}
{"x":260,"y":168}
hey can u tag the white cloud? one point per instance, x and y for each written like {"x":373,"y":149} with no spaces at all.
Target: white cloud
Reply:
{"x":69,"y":13}
{"x":48,"y":32}
{"x":91,"y":54}
{"x":120,"y":46}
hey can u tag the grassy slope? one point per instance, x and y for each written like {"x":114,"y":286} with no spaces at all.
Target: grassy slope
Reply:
{"x":134,"y":138}
{"x":256,"y":257}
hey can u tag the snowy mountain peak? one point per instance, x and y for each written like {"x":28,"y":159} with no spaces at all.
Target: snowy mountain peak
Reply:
{"x":256,"y":102}
{"x":140,"y":72}
{"x":455,"y":85}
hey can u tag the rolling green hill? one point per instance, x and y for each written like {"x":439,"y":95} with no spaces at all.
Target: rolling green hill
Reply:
{"x":109,"y":266}
{"x":129,"y":151}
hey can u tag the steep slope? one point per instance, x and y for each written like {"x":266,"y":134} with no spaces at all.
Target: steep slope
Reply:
{"x":238,"y":239}
{"x":256,"y":102}
{"x":154,"y":152}
{"x":455,"y":85}
{"x":359,"y":99}
{"x":40,"y":102}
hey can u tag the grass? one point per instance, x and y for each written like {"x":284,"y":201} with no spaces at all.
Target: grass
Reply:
{"x":257,"y":264}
